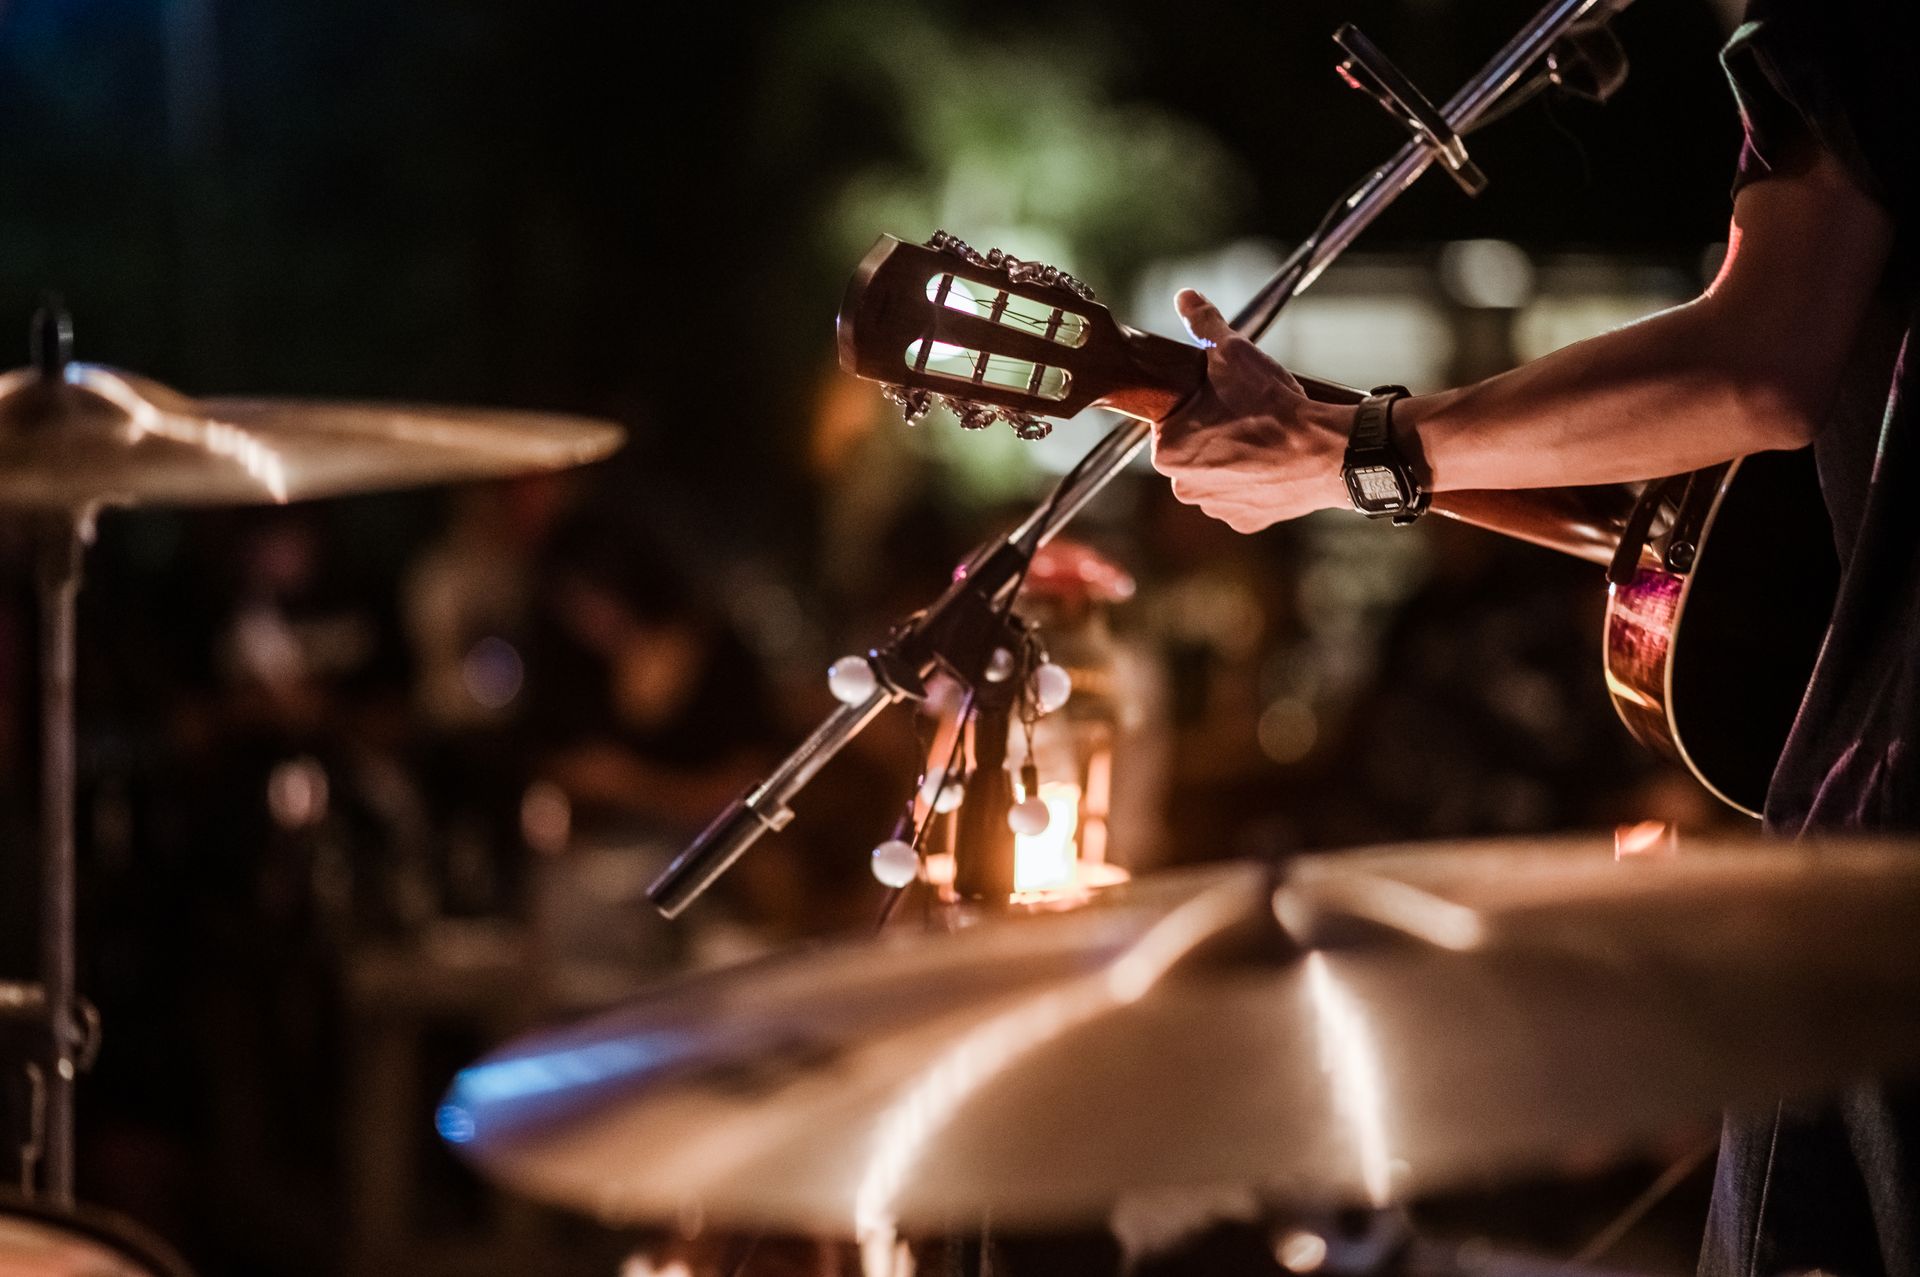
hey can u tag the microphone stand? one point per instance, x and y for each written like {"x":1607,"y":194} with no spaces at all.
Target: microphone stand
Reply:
{"x":962,"y":629}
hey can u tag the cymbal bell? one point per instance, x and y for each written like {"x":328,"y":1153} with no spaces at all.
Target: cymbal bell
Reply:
{"x":82,"y":435}
{"x":1364,"y":1029}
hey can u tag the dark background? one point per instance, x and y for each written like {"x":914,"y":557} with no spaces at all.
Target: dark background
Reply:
{"x":648,"y":214}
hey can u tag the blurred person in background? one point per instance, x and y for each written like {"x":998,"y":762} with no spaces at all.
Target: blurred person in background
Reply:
{"x":648,"y":715}
{"x":467,"y":602}
{"x":652,"y":711}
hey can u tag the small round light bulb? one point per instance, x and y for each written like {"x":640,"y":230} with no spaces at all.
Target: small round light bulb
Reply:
{"x":895,"y":863}
{"x":1000,"y":665}
{"x":1030,"y":817}
{"x":851,"y":680}
{"x":1052,"y":685}
{"x":951,"y":795}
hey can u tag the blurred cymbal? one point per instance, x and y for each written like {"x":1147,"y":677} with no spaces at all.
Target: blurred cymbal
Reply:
{"x":39,"y":1239}
{"x":96,"y":436}
{"x":1383,"y":1025}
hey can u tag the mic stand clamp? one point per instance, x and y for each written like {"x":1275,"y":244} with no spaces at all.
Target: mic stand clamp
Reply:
{"x":977,"y":639}
{"x":960,"y":633}
{"x":1373,"y":72}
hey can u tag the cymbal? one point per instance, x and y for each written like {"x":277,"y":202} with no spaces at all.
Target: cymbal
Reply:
{"x":39,"y":1239}
{"x":1366,"y":1028}
{"x":95,"y":436}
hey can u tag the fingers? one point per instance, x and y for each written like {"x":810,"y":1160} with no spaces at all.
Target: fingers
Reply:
{"x":1232,"y":360}
{"x":1208,"y":326}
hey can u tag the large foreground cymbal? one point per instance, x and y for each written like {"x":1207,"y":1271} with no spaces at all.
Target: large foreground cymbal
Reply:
{"x":93,"y":436}
{"x":1383,"y":1025}
{"x":39,"y":1239}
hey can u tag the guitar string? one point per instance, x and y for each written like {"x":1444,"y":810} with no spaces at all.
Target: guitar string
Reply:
{"x":1010,"y":318}
{"x":1018,"y":373}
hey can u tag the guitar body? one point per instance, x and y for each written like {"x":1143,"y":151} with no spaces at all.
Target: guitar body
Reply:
{"x":1709,"y":648}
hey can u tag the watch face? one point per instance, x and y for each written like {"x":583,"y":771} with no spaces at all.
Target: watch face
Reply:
{"x":1376,"y":487}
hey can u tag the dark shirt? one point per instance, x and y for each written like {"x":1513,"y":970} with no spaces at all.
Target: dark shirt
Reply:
{"x":1835,"y":1185}
{"x":1847,"y":74}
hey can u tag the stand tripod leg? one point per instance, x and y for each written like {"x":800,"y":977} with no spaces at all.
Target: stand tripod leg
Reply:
{"x":61,"y":547}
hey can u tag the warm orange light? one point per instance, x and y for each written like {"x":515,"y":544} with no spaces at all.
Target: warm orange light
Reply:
{"x":1045,"y":861}
{"x":1647,"y":838}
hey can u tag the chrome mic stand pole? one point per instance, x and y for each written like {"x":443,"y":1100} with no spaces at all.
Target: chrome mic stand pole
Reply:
{"x":985,"y":583}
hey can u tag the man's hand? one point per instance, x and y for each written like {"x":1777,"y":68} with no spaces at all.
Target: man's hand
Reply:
{"x":1249,"y":448}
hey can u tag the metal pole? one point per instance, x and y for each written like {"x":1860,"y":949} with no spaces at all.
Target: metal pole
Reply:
{"x":62,"y":546}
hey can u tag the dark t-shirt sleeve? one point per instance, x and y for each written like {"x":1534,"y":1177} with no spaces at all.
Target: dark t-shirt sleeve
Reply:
{"x":1844,"y":72}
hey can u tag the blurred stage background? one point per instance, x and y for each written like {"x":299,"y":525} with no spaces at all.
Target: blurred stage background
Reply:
{"x":368,"y":784}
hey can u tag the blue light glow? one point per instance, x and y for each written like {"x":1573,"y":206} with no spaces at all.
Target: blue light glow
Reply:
{"x":454,"y":1123}
{"x":506,"y":1080}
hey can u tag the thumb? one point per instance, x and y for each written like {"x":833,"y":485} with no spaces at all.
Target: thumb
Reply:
{"x":1203,"y":320}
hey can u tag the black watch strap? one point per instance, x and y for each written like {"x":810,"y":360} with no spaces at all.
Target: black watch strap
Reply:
{"x":1373,"y":420}
{"x":1380,"y":482}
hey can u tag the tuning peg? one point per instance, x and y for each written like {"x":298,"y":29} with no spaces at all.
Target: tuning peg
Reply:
{"x":974,"y":416}
{"x":913,"y":404}
{"x":1028,"y":426}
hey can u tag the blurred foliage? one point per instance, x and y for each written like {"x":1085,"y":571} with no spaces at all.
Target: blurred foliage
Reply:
{"x":1029,"y":146}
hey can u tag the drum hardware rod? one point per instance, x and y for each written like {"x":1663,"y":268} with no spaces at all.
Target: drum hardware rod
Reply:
{"x":24,"y":1002}
{"x":993,"y":573}
{"x":63,"y":543}
{"x":35,"y":1144}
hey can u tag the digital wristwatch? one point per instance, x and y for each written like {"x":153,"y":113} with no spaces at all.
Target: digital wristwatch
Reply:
{"x":1378,"y":478}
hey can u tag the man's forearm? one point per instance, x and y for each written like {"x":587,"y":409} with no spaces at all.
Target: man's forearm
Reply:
{"x":1751,"y":365}
{"x":1660,"y":396}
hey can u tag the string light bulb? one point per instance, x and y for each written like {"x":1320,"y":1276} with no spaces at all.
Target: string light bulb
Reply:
{"x":1029,"y":816}
{"x":1052,"y":686}
{"x":943,"y":790}
{"x":851,"y":680}
{"x":895,"y":863}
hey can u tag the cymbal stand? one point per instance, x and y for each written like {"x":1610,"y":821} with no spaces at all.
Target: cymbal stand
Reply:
{"x":992,"y":576}
{"x":24,"y":1006}
{"x":60,"y":541}
{"x":63,"y":544}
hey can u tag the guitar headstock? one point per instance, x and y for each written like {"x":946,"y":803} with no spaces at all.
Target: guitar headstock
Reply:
{"x":997,"y":338}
